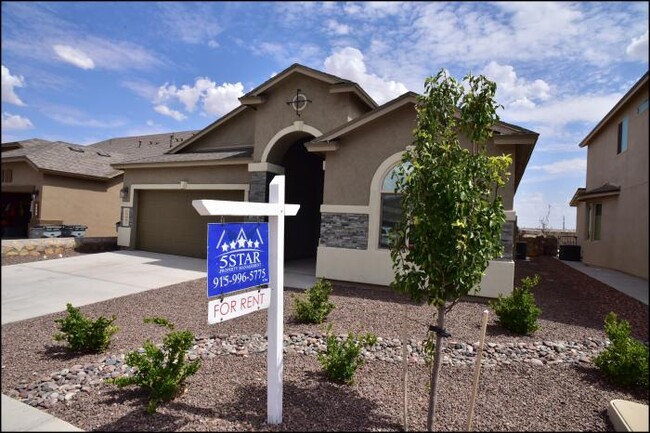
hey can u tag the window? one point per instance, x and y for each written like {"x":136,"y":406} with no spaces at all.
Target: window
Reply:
{"x":7,"y":176}
{"x":622,"y":136}
{"x":641,"y":108}
{"x":598,"y":221}
{"x":391,"y":207}
{"x":594,"y":221}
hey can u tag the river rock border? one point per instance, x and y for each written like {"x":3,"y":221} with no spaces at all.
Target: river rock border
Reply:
{"x":62,"y":386}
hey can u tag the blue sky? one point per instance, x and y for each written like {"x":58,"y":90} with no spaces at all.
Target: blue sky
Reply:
{"x":82,"y":72}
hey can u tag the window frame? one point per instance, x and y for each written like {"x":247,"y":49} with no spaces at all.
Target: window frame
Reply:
{"x":622,"y":136}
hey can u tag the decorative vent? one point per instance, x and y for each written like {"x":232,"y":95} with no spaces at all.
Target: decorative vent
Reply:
{"x":76,"y":149}
{"x":103,"y":154}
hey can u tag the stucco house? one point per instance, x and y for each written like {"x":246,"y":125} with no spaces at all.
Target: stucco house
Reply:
{"x":58,"y":183}
{"x":612,"y":210}
{"x":335,"y":146}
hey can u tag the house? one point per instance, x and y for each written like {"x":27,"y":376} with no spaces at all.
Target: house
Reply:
{"x":612,"y":209}
{"x":335,"y":146}
{"x":45,"y":182}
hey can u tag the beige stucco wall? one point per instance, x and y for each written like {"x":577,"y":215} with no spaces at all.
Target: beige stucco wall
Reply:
{"x":325,"y":112}
{"x":95,"y":204}
{"x":237,"y":131}
{"x":624,"y":236}
{"x":24,"y":177}
{"x":195,"y":175}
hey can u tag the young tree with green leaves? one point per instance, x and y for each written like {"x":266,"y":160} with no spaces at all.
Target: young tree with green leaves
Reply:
{"x":452,"y":212}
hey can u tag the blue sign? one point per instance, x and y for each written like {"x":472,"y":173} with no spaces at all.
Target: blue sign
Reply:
{"x":238,"y":257}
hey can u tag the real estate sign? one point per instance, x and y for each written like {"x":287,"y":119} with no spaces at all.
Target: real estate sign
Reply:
{"x":238,"y":257}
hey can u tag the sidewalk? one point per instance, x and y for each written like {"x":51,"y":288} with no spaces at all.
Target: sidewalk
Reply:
{"x":17,"y":416}
{"x":634,"y":287}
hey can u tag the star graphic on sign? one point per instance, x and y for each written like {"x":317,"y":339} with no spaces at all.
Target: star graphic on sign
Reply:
{"x":224,"y":247}
{"x":257,"y":244}
{"x":250,"y":244}
{"x":241,"y":242}
{"x":232,"y":245}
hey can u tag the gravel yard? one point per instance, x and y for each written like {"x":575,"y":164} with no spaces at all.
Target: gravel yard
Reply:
{"x":545,"y":382}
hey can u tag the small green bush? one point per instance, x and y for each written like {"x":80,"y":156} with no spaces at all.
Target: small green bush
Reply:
{"x":518,"y":311}
{"x":84,"y":334}
{"x":161,"y":371}
{"x":342,"y":358}
{"x":317,"y":306}
{"x":625,"y":361}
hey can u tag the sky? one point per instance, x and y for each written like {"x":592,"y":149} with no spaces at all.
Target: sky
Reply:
{"x":83,"y":72}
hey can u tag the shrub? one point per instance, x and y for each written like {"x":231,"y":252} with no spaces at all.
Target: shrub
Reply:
{"x":161,"y":372}
{"x":84,"y":334}
{"x":342,"y":358}
{"x":625,"y":361}
{"x":518,"y":311}
{"x":317,"y":306}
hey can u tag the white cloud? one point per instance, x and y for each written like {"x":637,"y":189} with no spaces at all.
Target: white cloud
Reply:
{"x":166,"y":111}
{"x":638,"y":48}
{"x":534,"y":205}
{"x":216,"y":100}
{"x":348,"y":63}
{"x":14,"y":121}
{"x":515,"y":91}
{"x":71,"y":116}
{"x":213,"y":44}
{"x":572,"y":166}
{"x":291,"y":52}
{"x":74,"y":56}
{"x":337,"y":28}
{"x":8,"y":83}
{"x":141,"y":88}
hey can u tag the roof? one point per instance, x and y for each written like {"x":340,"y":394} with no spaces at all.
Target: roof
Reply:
{"x":144,"y":145}
{"x":244,"y":152}
{"x":606,"y":190}
{"x":630,"y":93}
{"x":320,"y":75}
{"x":67,"y":159}
{"x":23,"y":143}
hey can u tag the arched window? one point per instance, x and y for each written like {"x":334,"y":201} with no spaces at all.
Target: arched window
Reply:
{"x":391,"y":206}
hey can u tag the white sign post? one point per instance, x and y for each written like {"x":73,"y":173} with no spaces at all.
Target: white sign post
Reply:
{"x":276,"y":210}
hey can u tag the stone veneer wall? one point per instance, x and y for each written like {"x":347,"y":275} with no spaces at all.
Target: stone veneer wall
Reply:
{"x":344,"y":230}
{"x":55,"y":246}
{"x":259,"y":186}
{"x":507,"y":240}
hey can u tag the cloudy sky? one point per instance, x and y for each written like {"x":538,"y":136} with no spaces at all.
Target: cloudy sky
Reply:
{"x":82,"y":72}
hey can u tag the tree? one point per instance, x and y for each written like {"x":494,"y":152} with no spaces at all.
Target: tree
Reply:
{"x":452,"y":213}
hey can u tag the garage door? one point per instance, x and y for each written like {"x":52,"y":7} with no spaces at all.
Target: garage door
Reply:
{"x":168,"y":223}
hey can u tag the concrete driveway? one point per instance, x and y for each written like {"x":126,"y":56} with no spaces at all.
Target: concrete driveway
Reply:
{"x":38,"y":288}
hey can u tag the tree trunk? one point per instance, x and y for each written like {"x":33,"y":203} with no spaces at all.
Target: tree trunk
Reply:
{"x":435,"y":370}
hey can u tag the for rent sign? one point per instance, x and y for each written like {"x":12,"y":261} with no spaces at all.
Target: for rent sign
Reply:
{"x":237,"y":257}
{"x":220,"y":310}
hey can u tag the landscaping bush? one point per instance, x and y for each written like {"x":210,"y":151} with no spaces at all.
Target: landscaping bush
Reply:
{"x":161,"y":371}
{"x":342,"y":358}
{"x":625,"y":361}
{"x":317,"y":306}
{"x":84,"y":334}
{"x":518,"y":311}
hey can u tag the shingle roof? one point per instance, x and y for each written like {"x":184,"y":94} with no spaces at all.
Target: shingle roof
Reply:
{"x":143,"y":145}
{"x":68,"y":159}
{"x":31,"y":142}
{"x":189,"y":157}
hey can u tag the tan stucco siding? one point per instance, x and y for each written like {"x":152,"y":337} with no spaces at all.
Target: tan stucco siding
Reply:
{"x":349,"y":170}
{"x":24,"y":177}
{"x":238,"y":131}
{"x":325,"y":112}
{"x":223,"y":174}
{"x":91,"y":203}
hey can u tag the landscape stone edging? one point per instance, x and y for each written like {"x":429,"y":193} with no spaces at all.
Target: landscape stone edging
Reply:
{"x":64,"y":385}
{"x":51,"y":247}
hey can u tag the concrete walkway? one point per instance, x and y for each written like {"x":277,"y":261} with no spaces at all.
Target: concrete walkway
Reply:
{"x":634,"y":287}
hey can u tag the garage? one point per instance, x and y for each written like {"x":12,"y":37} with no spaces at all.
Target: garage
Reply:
{"x":16,"y":214}
{"x":168,"y":223}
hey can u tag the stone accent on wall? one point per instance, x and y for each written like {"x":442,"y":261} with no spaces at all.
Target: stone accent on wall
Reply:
{"x":258,"y":191}
{"x":55,"y":246}
{"x":344,"y":230}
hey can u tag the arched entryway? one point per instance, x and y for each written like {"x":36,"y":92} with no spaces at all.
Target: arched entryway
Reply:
{"x":304,"y":186}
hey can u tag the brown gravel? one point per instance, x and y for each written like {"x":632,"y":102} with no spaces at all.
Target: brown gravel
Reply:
{"x":229,"y":393}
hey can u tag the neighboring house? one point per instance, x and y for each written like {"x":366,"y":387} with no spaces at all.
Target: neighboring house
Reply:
{"x":336,"y":148}
{"x":45,"y":182}
{"x":612,"y":210}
